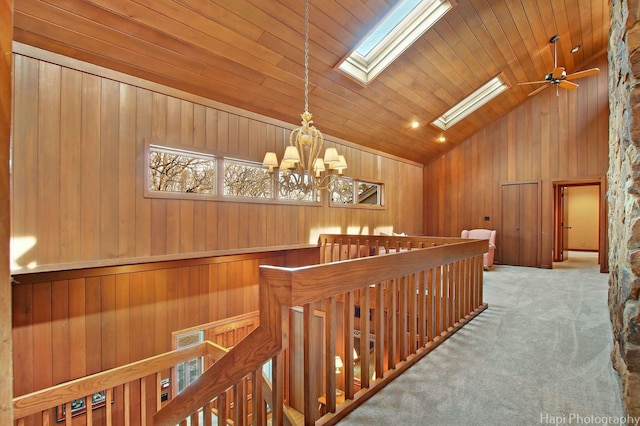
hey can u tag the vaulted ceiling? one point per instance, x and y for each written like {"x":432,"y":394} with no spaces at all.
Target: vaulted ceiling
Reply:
{"x":250,"y":54}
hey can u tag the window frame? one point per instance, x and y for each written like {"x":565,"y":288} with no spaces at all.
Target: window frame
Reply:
{"x":219,"y":180}
{"x":357,"y":205}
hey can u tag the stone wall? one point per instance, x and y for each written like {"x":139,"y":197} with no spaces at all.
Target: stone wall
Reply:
{"x":624,"y":195}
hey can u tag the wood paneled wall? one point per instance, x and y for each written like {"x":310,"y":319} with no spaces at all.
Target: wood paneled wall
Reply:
{"x":6,"y":103}
{"x":78,"y":172}
{"x":547,"y":138}
{"x":69,"y":324}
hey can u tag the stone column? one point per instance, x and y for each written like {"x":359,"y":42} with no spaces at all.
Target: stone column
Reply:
{"x":624,"y":196}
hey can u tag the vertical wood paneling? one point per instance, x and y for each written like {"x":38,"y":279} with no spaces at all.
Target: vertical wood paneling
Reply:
{"x":60,"y":330}
{"x":90,"y":167}
{"x":42,"y":335}
{"x":88,"y":200}
{"x":141,"y":220}
{"x":127,"y":182}
{"x":122,"y":320}
{"x":547,"y":138}
{"x":25,"y":156}
{"x":109,"y":125}
{"x":93,"y":324}
{"x":77,"y":329}
{"x":22,"y":326}
{"x":108,"y":321}
{"x":70,"y":155}
{"x":6,"y":113}
{"x":49,"y":160}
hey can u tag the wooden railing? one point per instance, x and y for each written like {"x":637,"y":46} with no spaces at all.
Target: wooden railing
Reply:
{"x":153,"y":378}
{"x":133,"y":382}
{"x":379,"y":303}
{"x":402,"y":305}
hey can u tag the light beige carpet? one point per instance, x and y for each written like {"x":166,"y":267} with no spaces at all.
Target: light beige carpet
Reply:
{"x":540,"y":354}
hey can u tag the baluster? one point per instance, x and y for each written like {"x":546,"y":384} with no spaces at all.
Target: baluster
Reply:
{"x":239,"y":398}
{"x":310,"y":397}
{"x":422,"y":317}
{"x":438,"y":301}
{"x":348,"y":315}
{"x":431,"y":321}
{"x":454,"y":294}
{"x":143,"y":401}
{"x":462,"y":266}
{"x":365,"y":330}
{"x":257,"y":407}
{"x":194,"y":419}
{"x":278,"y":389}
{"x":392,"y":300}
{"x":330,"y":353}
{"x":67,"y":410}
{"x":108,"y":410}
{"x":466,"y":283}
{"x":412,"y":318}
{"x":479,"y":280}
{"x":222,"y":409}
{"x":207,"y":414}
{"x":403,"y":323}
{"x":158,"y":391}
{"x":127,"y":404}
{"x":379,"y":345}
{"x":89,"y":411}
{"x":473,"y":278}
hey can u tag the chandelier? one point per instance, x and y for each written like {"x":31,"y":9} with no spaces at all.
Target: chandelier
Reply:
{"x":303,"y":170}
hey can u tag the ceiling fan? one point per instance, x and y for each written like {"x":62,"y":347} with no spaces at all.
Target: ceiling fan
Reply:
{"x":559,"y":76}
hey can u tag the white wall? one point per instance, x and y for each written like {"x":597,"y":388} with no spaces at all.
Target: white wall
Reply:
{"x":583,"y":206}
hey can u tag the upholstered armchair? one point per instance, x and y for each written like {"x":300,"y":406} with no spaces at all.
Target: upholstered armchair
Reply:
{"x":483,"y":234}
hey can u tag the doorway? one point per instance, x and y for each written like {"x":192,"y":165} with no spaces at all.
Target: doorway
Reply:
{"x":580,"y":203}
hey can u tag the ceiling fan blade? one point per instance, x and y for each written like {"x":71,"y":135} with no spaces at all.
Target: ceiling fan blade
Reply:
{"x":568,"y":85}
{"x":557,"y":72}
{"x":533,"y":82}
{"x":585,"y":73}
{"x":539,"y":89}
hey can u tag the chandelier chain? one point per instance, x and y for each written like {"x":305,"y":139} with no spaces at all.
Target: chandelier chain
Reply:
{"x":306,"y":56}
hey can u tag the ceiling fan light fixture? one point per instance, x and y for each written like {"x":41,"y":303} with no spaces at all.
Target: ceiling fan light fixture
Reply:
{"x":559,"y":76}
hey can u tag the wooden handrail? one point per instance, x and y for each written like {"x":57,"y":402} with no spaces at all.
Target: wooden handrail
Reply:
{"x":383,"y":284}
{"x":35,"y":402}
{"x":283,"y":288}
{"x":263,"y":343}
{"x":318,"y":281}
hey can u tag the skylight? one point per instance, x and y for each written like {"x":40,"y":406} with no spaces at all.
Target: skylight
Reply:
{"x":481,"y":96}
{"x":408,"y":20}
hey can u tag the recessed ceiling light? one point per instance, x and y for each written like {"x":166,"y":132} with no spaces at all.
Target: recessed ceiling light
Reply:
{"x":415,"y":124}
{"x":575,"y":49}
{"x":442,"y":139}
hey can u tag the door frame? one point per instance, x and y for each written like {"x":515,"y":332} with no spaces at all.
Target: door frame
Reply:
{"x":603,"y":240}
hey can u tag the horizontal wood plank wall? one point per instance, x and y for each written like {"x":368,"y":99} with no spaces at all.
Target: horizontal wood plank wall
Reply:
{"x":69,"y":324}
{"x":549,"y":137}
{"x":78,"y":174}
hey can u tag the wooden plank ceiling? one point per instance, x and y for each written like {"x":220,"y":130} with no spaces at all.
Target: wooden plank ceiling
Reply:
{"x":250,"y":54}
